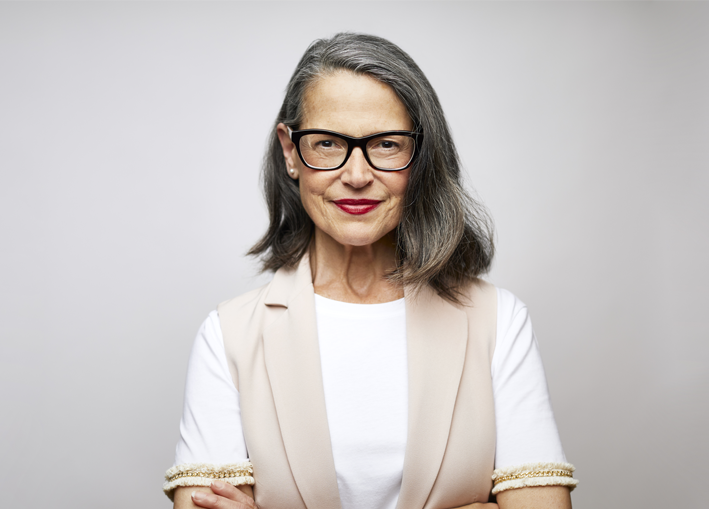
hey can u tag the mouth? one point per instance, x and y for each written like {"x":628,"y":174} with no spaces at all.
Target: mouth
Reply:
{"x":356,"y":207}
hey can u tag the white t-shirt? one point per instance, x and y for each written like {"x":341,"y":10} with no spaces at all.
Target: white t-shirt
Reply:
{"x":363,"y":358}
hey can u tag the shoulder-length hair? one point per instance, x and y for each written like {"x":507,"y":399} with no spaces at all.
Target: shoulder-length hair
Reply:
{"x":445,"y":238}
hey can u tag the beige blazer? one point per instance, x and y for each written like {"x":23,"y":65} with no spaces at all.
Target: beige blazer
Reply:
{"x":271,"y":343}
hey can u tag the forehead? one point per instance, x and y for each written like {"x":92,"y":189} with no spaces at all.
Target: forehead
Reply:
{"x":353,"y":104}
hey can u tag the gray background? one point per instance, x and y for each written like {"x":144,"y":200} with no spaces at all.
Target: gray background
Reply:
{"x":130,"y":140}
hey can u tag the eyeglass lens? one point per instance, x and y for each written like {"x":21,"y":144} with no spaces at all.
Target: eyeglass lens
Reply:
{"x":326,"y":151}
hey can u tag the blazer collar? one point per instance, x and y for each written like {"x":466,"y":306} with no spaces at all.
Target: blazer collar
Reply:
{"x":292,"y":356}
{"x":287,"y":284}
{"x":436,"y":339}
{"x":436,"y":342}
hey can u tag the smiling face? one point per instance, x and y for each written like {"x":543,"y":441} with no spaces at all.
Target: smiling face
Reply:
{"x":355,"y":205}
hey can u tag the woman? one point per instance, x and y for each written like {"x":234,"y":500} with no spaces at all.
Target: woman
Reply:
{"x":375,"y":370}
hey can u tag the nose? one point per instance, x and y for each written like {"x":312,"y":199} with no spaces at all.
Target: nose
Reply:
{"x":356,"y":172}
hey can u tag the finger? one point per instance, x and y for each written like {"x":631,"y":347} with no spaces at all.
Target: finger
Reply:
{"x":231,"y":492}
{"x":211,"y":501}
{"x":206,"y":499}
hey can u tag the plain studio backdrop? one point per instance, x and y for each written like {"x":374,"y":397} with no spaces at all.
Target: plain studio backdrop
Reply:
{"x":131,"y":136}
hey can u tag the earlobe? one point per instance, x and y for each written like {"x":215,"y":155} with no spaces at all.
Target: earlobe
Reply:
{"x":293,"y":173}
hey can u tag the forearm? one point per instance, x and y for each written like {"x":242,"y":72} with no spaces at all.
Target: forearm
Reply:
{"x":183,"y":495}
{"x":535,"y":497}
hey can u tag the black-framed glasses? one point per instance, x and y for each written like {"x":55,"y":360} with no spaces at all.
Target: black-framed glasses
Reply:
{"x":320,"y":149}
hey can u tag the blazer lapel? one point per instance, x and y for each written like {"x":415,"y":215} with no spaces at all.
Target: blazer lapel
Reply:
{"x":292,"y":356}
{"x":437,"y":334}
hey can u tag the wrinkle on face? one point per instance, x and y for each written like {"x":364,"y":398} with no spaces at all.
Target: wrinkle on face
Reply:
{"x":356,"y":105}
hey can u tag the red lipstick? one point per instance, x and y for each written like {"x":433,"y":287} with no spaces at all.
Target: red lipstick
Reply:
{"x":356,"y":207}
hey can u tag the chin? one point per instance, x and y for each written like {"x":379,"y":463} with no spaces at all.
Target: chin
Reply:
{"x":355,"y":240}
{"x":359,"y":238}
{"x":360,"y":242}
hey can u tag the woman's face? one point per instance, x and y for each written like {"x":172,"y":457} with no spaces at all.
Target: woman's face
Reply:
{"x":357,"y":106}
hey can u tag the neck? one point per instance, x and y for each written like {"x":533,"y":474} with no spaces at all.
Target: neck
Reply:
{"x":354,"y":273}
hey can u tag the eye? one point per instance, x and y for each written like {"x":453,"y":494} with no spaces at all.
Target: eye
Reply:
{"x":386,"y":145}
{"x":325,"y":142}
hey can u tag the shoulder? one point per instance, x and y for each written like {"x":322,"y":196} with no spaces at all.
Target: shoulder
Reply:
{"x":500,"y":310}
{"x":512,"y":314}
{"x":509,"y":305}
{"x":245,"y":300}
{"x":479,"y":294}
{"x":245,"y":307}
{"x":241,"y":311}
{"x":479,"y":301}
{"x":242,"y":317}
{"x":481,"y":289}
{"x":286,"y":284}
{"x":479,"y":297}
{"x":515,"y":335}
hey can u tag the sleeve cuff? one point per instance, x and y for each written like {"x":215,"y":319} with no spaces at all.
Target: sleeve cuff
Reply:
{"x":202,"y":474}
{"x":533,"y":474}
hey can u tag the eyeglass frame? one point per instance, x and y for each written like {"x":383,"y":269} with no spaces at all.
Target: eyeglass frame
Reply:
{"x":352,"y":143}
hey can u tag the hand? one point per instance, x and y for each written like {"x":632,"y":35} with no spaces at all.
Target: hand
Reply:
{"x":223,"y":496}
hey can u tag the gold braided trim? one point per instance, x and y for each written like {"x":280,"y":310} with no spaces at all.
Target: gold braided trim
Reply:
{"x":533,"y":474}
{"x":203,"y":470}
{"x":202,"y":474}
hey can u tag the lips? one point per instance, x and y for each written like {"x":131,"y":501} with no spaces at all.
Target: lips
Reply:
{"x":356,"y":206}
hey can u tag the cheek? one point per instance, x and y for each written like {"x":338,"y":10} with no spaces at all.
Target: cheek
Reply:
{"x":395,"y":215}
{"x":311,"y":195}
{"x":397,"y":190}
{"x":397,"y":187}
{"x":305,"y":197}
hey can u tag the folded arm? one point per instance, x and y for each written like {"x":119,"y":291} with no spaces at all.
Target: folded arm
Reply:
{"x":535,"y":497}
{"x":220,"y":495}
{"x":224,"y":496}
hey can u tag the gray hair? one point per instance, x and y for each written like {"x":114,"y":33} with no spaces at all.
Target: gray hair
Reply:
{"x":445,"y":237}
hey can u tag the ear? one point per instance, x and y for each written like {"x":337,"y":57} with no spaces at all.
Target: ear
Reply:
{"x":290,"y":154}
